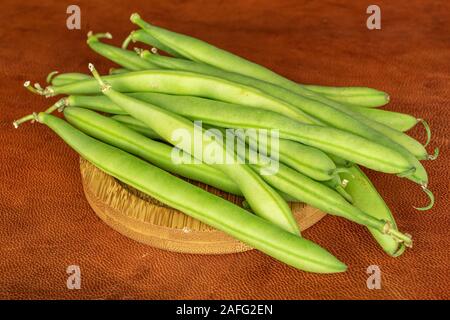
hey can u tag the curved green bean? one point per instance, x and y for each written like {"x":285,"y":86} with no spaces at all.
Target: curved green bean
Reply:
{"x":196,"y":202}
{"x":65,"y":78}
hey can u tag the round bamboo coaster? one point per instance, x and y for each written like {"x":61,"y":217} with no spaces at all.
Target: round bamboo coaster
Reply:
{"x":144,"y":219}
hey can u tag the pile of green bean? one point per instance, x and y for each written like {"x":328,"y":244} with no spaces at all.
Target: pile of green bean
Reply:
{"x":124,"y":123}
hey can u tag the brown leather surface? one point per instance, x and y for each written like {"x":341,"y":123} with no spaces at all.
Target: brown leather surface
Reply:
{"x":46,"y":223}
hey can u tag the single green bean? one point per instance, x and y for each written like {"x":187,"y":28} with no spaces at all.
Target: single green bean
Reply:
{"x":136,"y":125}
{"x":66,"y":78}
{"x":118,"y":70}
{"x":263,"y":200}
{"x":396,"y":120}
{"x":357,"y":96}
{"x":196,"y":202}
{"x":367,"y":198}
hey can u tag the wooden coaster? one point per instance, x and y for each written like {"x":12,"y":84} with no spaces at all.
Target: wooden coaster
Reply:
{"x":144,"y":219}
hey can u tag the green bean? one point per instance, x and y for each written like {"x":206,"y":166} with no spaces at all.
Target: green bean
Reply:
{"x":263,"y":200}
{"x":396,"y":120}
{"x":136,"y":125}
{"x":340,"y":162}
{"x":118,"y":70}
{"x":355,"y":96}
{"x":341,"y":143}
{"x":366,"y":198}
{"x":125,"y":58}
{"x":65,"y":78}
{"x":196,"y":202}
{"x":157,"y":153}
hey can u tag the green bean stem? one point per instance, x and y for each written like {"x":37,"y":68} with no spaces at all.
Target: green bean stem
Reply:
{"x":125,"y":58}
{"x":142,"y":36}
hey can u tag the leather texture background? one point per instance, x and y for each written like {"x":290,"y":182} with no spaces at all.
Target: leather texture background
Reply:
{"x":46,"y":223}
